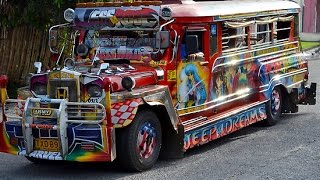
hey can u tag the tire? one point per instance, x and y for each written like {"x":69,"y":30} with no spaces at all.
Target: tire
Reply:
{"x":273,"y":107}
{"x":139,"y":144}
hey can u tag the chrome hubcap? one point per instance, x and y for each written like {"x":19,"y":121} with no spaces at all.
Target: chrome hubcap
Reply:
{"x":275,"y":102}
{"x":146,"y":141}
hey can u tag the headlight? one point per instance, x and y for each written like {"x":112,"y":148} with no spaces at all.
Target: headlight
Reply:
{"x":69,"y":63}
{"x":94,"y":91}
{"x":82,"y":50}
{"x":69,"y":15}
{"x":40,"y":89}
{"x":128,"y":83}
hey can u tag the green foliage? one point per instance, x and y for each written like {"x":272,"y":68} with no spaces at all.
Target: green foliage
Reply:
{"x":36,"y":13}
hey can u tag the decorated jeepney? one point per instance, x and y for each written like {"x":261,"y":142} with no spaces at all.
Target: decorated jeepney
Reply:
{"x":137,"y":80}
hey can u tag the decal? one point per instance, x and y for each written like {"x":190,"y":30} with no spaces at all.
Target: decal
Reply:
{"x":41,"y":112}
{"x":123,"y":113}
{"x":46,"y":155}
{"x":157,"y":63}
{"x":60,"y":74}
{"x":124,"y":17}
{"x":172,"y":75}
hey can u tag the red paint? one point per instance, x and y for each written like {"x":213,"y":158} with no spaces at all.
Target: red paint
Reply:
{"x":3,"y":81}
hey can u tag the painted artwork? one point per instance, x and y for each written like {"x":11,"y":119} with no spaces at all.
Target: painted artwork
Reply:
{"x":223,"y":127}
{"x":112,"y":17}
{"x":231,"y":79}
{"x":192,"y":89}
{"x":248,"y":71}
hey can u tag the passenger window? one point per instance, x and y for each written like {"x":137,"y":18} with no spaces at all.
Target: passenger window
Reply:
{"x":213,"y":39}
{"x":233,"y":38}
{"x":282,"y":30}
{"x":260,"y":34}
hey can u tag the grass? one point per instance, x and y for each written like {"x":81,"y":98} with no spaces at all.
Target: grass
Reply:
{"x":309,"y":45}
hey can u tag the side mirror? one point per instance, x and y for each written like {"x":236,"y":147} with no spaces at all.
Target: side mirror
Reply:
{"x":38,"y":65}
{"x":53,"y":40}
{"x":192,"y":44}
{"x":102,"y":67}
{"x":162,"y":39}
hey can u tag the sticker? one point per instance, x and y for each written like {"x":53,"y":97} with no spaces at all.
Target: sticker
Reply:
{"x":114,"y":20}
{"x":172,"y":75}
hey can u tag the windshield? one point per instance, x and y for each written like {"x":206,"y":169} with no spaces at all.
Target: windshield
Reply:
{"x":132,"y":45}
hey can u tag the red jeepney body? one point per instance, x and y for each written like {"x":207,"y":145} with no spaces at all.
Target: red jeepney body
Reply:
{"x":201,"y":67}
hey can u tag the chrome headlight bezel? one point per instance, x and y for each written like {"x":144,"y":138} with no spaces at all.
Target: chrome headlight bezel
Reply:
{"x":39,"y":89}
{"x":94,"y":90}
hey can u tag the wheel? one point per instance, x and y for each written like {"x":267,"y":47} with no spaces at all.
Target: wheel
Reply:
{"x":273,"y":107}
{"x":138,"y":145}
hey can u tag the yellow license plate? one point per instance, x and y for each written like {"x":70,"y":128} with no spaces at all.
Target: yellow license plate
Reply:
{"x":47,"y":145}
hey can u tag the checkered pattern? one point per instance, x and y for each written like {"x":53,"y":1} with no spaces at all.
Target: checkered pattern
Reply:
{"x":19,"y":107}
{"x":123,"y":113}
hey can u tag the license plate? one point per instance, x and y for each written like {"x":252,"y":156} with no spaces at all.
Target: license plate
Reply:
{"x":41,"y":112}
{"x":47,"y":145}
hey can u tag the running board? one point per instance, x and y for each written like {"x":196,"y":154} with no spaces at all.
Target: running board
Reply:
{"x":201,"y":130}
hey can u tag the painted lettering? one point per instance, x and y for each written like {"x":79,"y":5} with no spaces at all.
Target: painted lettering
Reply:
{"x":223,"y":127}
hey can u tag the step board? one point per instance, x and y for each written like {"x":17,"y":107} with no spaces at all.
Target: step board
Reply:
{"x":202,"y":129}
{"x":204,"y":121}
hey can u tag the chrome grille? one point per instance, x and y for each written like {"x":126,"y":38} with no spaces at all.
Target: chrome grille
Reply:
{"x":65,"y":88}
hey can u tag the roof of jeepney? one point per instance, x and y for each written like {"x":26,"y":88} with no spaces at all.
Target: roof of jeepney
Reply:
{"x":223,"y":9}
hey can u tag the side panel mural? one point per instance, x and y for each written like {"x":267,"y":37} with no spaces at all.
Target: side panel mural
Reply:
{"x":256,"y":71}
{"x":232,"y":76}
{"x":192,"y":84}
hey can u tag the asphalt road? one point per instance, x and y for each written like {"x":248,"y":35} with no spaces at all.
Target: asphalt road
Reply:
{"x":288,"y":150}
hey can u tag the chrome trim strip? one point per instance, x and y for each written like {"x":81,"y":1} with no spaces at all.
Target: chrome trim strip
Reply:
{"x":208,"y":121}
{"x":163,"y":98}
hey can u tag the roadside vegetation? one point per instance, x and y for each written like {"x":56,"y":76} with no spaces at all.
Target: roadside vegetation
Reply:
{"x":309,"y":45}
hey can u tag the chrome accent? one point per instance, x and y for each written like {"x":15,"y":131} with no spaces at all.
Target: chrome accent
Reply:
{"x":26,"y":131}
{"x":224,"y":115}
{"x":203,"y":107}
{"x":59,"y":25}
{"x":253,"y":57}
{"x":175,"y":47}
{"x":136,"y":93}
{"x":62,"y":130}
{"x":163,"y":98}
{"x":160,"y":29}
{"x":76,"y":112}
{"x":113,"y":153}
{"x":63,"y":115}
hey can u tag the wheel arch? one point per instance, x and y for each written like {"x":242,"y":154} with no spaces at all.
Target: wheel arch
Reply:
{"x":289,"y":98}
{"x":172,"y":138}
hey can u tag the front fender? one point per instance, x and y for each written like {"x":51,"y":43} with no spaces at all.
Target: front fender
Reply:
{"x":125,"y":104}
{"x":163,"y":98}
